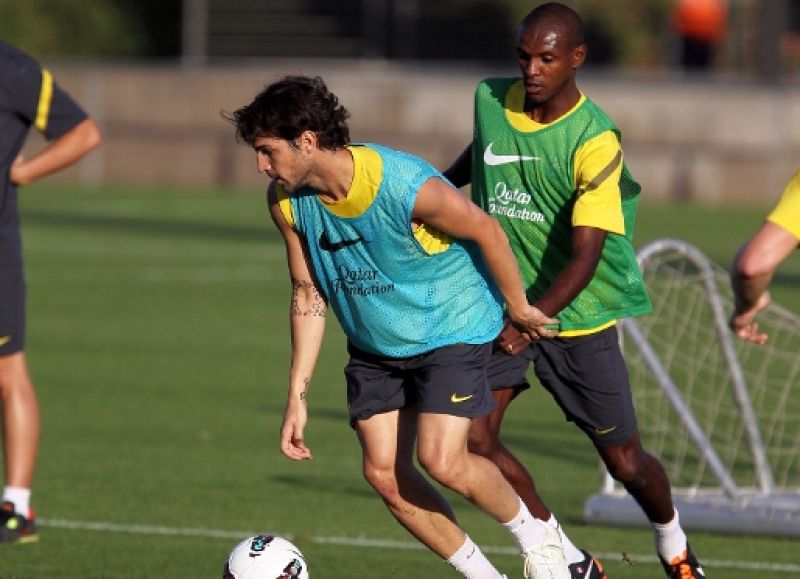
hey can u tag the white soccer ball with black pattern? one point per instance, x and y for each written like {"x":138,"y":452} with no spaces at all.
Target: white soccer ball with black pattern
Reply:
{"x":265,"y":557}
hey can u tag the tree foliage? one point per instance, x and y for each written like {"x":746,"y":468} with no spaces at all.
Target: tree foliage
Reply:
{"x":631,"y":33}
{"x":76,"y":28}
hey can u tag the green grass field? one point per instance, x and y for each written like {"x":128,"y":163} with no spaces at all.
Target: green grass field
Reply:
{"x":158,"y":340}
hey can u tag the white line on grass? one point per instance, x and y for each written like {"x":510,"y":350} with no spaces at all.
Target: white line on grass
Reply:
{"x":362,"y":541}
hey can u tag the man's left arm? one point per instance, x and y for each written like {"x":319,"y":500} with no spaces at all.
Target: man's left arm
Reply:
{"x":596,"y":214}
{"x":59,"y":153}
{"x":441,"y":206}
{"x":53,"y":112}
{"x":587,"y":249}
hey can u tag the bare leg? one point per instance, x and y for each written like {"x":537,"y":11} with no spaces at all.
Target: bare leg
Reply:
{"x":442,"y":452}
{"x":484,"y":440}
{"x":387,"y":441}
{"x":20,"y":412}
{"x":643,"y":477}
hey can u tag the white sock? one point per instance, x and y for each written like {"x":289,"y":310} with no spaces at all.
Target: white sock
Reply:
{"x":670,"y":539}
{"x":20,"y":497}
{"x":470,"y":561}
{"x":527,"y":529}
{"x":571,"y":552}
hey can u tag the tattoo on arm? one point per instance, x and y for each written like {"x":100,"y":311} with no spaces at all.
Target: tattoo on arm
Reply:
{"x":317,"y":307}
{"x":304,"y":393}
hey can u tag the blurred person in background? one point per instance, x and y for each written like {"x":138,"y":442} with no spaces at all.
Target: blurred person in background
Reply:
{"x":700,"y":25}
{"x":28,"y":97}
{"x":756,"y":262}
{"x":548,"y":164}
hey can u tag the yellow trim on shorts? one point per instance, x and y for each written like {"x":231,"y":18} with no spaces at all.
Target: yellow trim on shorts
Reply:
{"x":45,"y":99}
{"x":575,"y":333}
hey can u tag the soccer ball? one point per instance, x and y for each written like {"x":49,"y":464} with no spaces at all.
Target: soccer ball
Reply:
{"x":265,"y":557}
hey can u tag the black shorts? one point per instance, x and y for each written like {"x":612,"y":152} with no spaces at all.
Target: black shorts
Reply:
{"x":12,"y":309}
{"x":448,"y":380}
{"x":585,"y":374}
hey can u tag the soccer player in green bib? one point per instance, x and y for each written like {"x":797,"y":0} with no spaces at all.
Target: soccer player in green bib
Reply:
{"x":547,"y":163}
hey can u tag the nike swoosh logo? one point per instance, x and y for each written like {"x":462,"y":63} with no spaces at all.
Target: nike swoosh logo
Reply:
{"x":326,"y":245}
{"x":5,"y":340}
{"x":588,"y":573}
{"x":491,"y":159}
{"x":458,"y":399}
{"x":602,"y":431}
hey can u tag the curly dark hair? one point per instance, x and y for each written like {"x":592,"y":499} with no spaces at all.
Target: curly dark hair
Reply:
{"x":286,"y":108}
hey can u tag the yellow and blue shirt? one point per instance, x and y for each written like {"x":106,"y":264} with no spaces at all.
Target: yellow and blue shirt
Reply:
{"x":398,"y":289}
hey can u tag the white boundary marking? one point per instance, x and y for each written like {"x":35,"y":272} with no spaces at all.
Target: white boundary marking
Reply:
{"x":362,"y":541}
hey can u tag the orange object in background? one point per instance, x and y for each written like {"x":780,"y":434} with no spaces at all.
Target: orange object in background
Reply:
{"x":701,"y":19}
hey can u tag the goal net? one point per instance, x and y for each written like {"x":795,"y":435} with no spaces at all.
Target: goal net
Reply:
{"x":722,"y":414}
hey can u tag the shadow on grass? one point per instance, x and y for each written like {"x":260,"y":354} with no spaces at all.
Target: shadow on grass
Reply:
{"x":166,"y":227}
{"x":328,"y":484}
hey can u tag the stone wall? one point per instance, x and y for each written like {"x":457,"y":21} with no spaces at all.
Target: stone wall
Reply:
{"x":704,"y":141}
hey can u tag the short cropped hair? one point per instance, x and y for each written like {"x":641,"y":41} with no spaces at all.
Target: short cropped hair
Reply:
{"x":290,"y":106}
{"x":560,"y":16}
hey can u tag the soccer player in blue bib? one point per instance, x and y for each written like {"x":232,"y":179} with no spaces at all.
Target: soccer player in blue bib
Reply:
{"x":417,"y":276}
{"x":28,"y":97}
{"x":547,"y":163}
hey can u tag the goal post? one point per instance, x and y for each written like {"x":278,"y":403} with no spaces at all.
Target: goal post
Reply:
{"x":722,"y":414}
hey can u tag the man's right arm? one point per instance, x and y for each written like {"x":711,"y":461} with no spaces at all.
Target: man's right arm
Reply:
{"x":459,"y":173}
{"x":752,"y":271}
{"x":307,"y":322}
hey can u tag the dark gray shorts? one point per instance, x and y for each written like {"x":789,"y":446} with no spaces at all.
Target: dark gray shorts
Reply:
{"x":448,"y":380}
{"x":12,"y":309}
{"x":587,"y":377}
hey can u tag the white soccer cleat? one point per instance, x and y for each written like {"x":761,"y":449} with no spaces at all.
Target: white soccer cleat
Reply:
{"x":546,"y":560}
